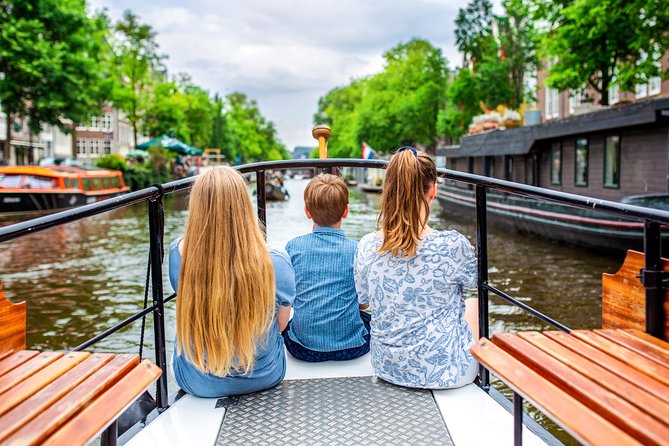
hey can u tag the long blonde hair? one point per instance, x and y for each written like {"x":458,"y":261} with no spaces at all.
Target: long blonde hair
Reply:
{"x":226,"y":283}
{"x":404,"y":202}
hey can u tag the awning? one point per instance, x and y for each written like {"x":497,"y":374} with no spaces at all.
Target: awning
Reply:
{"x":171,"y":144}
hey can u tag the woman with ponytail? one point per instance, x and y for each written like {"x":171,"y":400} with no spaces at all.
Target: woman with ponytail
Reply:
{"x":233,"y":293}
{"x":412,"y":277}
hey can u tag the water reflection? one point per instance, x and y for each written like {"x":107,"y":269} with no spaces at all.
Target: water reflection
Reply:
{"x":83,"y":277}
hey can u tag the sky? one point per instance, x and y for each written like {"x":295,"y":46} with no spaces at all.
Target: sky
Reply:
{"x":287,"y":54}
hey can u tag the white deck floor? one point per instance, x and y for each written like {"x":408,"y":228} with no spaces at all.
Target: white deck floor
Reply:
{"x":472,"y":417}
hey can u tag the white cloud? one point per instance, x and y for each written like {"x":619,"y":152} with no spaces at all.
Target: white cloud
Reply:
{"x":286,"y":54}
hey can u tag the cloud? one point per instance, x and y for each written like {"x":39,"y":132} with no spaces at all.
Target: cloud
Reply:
{"x":286,"y":54}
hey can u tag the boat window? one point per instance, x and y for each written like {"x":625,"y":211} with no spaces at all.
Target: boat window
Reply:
{"x":10,"y":180}
{"x":105,"y":183}
{"x":556,"y":163}
{"x":37,"y":182}
{"x":97,"y":183}
{"x":490,"y":166}
{"x":508,"y":168}
{"x":529,"y":171}
{"x":114,"y":182}
{"x":86,"y":182}
{"x":72,"y":183}
{"x":612,"y":162}
{"x":581,"y":162}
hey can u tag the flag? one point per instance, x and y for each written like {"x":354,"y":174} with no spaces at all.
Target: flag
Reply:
{"x":367,"y":152}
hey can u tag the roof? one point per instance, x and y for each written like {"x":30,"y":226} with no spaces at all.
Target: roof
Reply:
{"x":56,"y":171}
{"x":519,"y":141}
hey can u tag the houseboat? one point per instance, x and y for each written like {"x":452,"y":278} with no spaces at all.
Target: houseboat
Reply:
{"x":50,"y":188}
{"x":619,"y":154}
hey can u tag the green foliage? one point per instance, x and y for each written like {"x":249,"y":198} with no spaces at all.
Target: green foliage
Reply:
{"x":49,"y":61}
{"x":463,"y":99}
{"x":394,"y":107}
{"x":112,"y":162}
{"x":473,"y":31}
{"x":603,"y":42}
{"x":245,"y":134}
{"x":137,"y":65}
{"x":141,"y":175}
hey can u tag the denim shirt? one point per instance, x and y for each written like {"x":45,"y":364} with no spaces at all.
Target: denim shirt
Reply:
{"x":326,"y":316}
{"x":270,"y":360}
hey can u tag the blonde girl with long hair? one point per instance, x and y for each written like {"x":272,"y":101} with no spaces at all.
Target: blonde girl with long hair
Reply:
{"x":413,"y":278}
{"x":233,"y":293}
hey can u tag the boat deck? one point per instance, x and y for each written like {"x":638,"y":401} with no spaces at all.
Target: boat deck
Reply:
{"x":336,"y":403}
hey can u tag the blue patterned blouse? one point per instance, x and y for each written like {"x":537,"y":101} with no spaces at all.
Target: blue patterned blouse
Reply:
{"x":419,"y":335}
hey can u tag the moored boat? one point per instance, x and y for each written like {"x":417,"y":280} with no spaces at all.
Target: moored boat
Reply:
{"x":50,"y":188}
{"x":616,"y":154}
{"x":276,"y":193}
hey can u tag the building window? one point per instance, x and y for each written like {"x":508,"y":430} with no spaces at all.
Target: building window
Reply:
{"x":612,"y":162}
{"x":640,"y":91}
{"x":81,"y":146}
{"x":106,"y":121}
{"x":48,"y":149}
{"x":614,"y":94}
{"x":556,"y":163}
{"x":654,"y":85}
{"x":552,"y":103}
{"x":95,"y":122}
{"x":581,"y":162}
{"x":95,"y":146}
{"x":575,"y":99}
{"x":106,"y":147}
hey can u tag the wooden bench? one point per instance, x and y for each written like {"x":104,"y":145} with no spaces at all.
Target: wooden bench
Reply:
{"x":604,"y":387}
{"x":58,"y":398}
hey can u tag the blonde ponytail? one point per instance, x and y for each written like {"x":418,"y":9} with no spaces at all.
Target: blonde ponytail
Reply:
{"x":403,"y":216}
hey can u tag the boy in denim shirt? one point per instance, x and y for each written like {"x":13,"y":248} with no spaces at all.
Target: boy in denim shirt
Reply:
{"x":327,"y":322}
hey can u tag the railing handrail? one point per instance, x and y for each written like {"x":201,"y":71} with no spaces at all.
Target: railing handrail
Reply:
{"x":609,"y":207}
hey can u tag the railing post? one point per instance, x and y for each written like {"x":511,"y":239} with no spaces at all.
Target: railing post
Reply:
{"x":653,"y":277}
{"x":261,"y":197}
{"x":156,"y":233}
{"x":482,"y":258}
{"x":517,"y":420}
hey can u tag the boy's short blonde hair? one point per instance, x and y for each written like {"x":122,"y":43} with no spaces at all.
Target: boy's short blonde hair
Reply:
{"x":326,"y":198}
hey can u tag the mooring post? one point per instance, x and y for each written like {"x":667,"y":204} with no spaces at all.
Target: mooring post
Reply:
{"x":654,"y":280}
{"x":156,"y":234}
{"x":482,"y":258}
{"x":322,"y":133}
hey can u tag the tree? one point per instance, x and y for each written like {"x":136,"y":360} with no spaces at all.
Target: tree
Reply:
{"x":197,"y":113}
{"x":49,"y":63}
{"x":246,"y":135}
{"x":600,"y":43}
{"x":462,"y":104}
{"x":165,"y":112}
{"x":339,"y":109}
{"x":138,"y":62}
{"x":518,"y":43}
{"x":400,"y":105}
{"x":473,"y":31}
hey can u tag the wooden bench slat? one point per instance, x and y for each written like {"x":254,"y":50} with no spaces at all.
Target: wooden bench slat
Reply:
{"x":100,"y":413}
{"x":50,"y":394}
{"x":648,"y":338}
{"x":47,"y":422}
{"x":577,"y":419}
{"x":615,"y":409}
{"x":11,"y":362}
{"x":638,"y":345}
{"x":645,"y":365}
{"x":611,"y":364}
{"x":29,"y":368}
{"x":5,"y":353}
{"x":41,"y":379}
{"x":643,"y":399}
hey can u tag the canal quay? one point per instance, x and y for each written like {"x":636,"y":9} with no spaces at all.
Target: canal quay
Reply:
{"x":83,"y":277}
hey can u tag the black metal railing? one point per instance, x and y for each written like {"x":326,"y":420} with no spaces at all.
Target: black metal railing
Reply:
{"x":652,"y":276}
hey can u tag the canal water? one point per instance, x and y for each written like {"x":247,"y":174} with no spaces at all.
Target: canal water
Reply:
{"x":81,"y":278}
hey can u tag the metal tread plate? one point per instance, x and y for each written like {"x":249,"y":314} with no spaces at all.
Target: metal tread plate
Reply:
{"x":334,"y":411}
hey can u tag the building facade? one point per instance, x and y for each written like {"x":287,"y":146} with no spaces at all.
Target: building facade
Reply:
{"x":554,"y":104}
